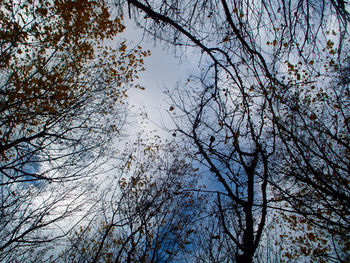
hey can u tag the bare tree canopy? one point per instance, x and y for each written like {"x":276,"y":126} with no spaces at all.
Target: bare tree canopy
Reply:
{"x":268,"y":116}
{"x":257,"y":170}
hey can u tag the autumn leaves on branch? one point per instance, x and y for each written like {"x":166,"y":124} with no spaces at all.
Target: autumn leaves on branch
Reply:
{"x":62,"y":106}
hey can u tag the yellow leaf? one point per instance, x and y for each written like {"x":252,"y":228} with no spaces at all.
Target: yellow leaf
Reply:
{"x":226,"y":39}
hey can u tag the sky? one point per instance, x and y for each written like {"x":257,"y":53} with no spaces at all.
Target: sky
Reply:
{"x":163,"y":71}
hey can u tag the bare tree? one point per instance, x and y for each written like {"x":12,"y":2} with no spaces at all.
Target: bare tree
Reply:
{"x":226,"y":134}
{"x":266,"y":112}
{"x":147,"y":214}
{"x":314,"y":164}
